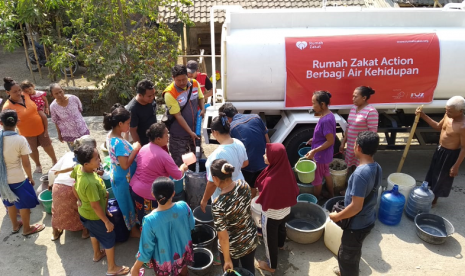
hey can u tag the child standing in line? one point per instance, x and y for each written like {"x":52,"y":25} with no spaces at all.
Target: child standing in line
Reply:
{"x":40,"y":99}
{"x":93,"y":211}
{"x":166,"y":234}
{"x":322,"y":142}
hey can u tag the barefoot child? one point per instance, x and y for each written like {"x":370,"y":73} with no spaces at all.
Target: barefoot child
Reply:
{"x":93,"y":211}
{"x":40,"y":99}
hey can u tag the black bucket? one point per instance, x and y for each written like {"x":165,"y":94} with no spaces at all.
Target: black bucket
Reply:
{"x":203,"y":260}
{"x":203,"y":218}
{"x":241,"y":271}
{"x":330,"y":203}
{"x":195,"y":185}
{"x":203,"y":236}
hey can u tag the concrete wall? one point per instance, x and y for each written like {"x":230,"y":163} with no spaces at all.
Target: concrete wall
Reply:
{"x":92,"y":106}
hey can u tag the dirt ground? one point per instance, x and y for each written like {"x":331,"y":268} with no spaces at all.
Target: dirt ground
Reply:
{"x":14,"y":65}
{"x":386,"y":251}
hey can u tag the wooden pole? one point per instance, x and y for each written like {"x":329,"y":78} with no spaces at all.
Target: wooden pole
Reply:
{"x":184,"y":31}
{"x":407,"y":147}
{"x":25,"y":52}
{"x":35,"y":52}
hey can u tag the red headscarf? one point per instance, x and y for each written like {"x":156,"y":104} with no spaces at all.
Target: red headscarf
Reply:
{"x":277,"y":183}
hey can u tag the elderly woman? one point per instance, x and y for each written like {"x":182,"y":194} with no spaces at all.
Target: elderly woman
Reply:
{"x":16,"y":190}
{"x":362,"y":117}
{"x":152,"y":162}
{"x":66,"y":114}
{"x":65,"y":214}
{"x":29,"y":122}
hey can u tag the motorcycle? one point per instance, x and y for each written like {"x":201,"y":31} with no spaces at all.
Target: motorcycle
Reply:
{"x":43,"y":60}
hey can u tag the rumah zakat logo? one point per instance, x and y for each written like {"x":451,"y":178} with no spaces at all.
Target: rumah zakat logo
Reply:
{"x":301,"y":44}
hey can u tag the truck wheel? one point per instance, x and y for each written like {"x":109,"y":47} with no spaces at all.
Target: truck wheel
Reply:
{"x":303,"y":134}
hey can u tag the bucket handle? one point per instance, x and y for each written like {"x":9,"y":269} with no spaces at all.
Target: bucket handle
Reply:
{"x":231,"y":270}
{"x":300,"y":159}
{"x":303,"y":144}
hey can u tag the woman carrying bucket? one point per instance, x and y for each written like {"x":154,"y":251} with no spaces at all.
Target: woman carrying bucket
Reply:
{"x":278,"y":192}
{"x":17,"y":192}
{"x":362,"y":117}
{"x":152,"y":162}
{"x":322,"y":142}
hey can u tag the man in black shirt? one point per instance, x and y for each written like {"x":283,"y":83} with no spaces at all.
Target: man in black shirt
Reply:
{"x":143,"y":110}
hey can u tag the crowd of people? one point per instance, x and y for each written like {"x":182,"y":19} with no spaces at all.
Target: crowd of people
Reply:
{"x":244,"y":165}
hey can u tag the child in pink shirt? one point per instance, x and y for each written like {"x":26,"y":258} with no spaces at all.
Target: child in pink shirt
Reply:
{"x":40,"y":99}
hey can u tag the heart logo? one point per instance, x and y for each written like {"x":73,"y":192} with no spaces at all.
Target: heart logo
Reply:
{"x":301,"y":44}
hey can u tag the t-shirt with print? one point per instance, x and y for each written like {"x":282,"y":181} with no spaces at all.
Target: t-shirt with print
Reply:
{"x":235,"y":154}
{"x":142,"y":117}
{"x":326,"y":125}
{"x":361,"y":183}
{"x":173,"y":104}
{"x":90,"y":188}
{"x":14,"y":147}
{"x":231,"y":212}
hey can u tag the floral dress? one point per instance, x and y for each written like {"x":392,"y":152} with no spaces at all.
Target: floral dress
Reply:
{"x":69,"y":119}
{"x":166,"y":239}
{"x":120,"y":179}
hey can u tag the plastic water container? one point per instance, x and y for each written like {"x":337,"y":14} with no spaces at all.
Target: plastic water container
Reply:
{"x":419,"y":201}
{"x":391,"y":207}
{"x":405,"y":182}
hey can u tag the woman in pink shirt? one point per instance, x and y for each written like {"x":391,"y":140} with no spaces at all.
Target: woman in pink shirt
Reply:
{"x":152,"y":162}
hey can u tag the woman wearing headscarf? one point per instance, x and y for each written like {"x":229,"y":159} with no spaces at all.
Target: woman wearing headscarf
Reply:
{"x":16,"y":190}
{"x":278,"y":192}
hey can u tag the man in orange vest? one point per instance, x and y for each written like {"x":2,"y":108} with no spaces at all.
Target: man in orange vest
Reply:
{"x":205,"y":83}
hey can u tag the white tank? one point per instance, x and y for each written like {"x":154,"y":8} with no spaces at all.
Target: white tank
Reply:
{"x":253,"y":44}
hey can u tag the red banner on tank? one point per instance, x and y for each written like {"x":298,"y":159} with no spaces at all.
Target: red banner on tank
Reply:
{"x":402,"y":68}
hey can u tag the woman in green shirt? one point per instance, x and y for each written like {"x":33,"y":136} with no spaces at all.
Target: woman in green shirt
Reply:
{"x":93,"y":211}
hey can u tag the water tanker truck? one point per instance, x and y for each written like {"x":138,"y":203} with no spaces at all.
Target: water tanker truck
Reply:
{"x":273,"y":60}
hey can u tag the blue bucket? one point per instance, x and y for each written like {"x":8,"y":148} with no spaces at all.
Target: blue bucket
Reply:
{"x":307,"y":198}
{"x":303,"y":150}
{"x":178,"y":184}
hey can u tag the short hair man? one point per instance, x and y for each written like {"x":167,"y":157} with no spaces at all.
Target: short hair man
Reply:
{"x":252,"y":132}
{"x":363,"y":186}
{"x":182,"y":130}
{"x":451,"y":150}
{"x":143,"y":108}
{"x":205,"y":83}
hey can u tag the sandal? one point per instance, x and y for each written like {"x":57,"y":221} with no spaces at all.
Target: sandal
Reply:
{"x":57,"y":237}
{"x":38,"y":169}
{"x":19,"y":228}
{"x":101,"y":256}
{"x":216,"y":261}
{"x":123,"y":271}
{"x":36,"y":229}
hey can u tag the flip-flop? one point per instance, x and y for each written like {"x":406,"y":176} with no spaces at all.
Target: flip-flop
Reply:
{"x":38,"y":170}
{"x":101,"y":257}
{"x":19,"y":228}
{"x":36,"y":229}
{"x":120,"y":272}
{"x":57,"y":237}
{"x":216,"y":261}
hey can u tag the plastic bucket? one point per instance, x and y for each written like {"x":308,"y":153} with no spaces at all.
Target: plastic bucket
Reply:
{"x":256,"y":212}
{"x":203,"y":260}
{"x":203,"y":218}
{"x":189,"y":158}
{"x":204,"y":236}
{"x":405,"y":182}
{"x":307,"y":198}
{"x":45,"y":198}
{"x":305,"y":170}
{"x":178,"y":184}
{"x":238,"y":271}
{"x":339,"y":176}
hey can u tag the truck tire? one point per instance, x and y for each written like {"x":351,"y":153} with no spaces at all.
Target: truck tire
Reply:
{"x":303,"y":134}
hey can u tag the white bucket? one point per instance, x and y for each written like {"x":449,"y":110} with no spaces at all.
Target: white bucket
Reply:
{"x":339,"y":177}
{"x":405,"y":182}
{"x":333,"y":236}
{"x":257,"y":212}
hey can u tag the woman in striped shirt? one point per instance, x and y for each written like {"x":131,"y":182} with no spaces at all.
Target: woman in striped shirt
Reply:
{"x":362,"y":117}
